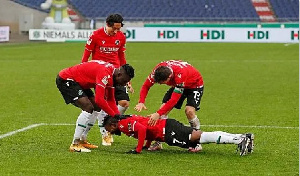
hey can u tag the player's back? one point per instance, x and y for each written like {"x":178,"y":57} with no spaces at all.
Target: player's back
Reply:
{"x":184,"y":74}
{"x":86,"y":73}
{"x":153,"y":132}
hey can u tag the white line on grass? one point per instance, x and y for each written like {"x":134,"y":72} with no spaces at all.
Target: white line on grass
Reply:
{"x":20,"y":130}
{"x":69,"y":124}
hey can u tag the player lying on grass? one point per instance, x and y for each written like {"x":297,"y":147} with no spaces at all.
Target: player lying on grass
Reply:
{"x":173,"y":133}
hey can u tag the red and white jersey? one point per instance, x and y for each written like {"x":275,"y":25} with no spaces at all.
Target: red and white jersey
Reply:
{"x":95,"y":74}
{"x":137,"y":127}
{"x":184,"y":76}
{"x":107,"y":48}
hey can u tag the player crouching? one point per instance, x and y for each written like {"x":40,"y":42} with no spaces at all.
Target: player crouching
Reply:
{"x":173,"y":133}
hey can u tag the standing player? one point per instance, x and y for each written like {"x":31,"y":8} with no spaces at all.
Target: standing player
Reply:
{"x":186,"y":83}
{"x":108,"y":44}
{"x":173,"y":133}
{"x":75,"y":85}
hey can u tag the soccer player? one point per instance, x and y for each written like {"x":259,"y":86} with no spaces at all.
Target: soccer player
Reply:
{"x":108,"y":44}
{"x":186,"y":83}
{"x":173,"y":133}
{"x":75,"y":85}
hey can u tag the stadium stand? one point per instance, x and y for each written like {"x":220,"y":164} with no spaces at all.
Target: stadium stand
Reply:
{"x":286,"y":10}
{"x":36,"y":4}
{"x":177,"y":10}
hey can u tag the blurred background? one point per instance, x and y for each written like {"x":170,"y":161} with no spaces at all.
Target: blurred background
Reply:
{"x":23,"y":15}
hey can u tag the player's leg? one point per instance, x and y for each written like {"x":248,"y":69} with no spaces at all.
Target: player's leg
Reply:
{"x":106,"y":138}
{"x":193,"y":104}
{"x":244,"y":142}
{"x":91,"y":122}
{"x":73,"y":93}
{"x":122,"y":98}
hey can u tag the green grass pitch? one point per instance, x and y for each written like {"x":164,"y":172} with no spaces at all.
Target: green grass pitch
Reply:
{"x":248,"y":88}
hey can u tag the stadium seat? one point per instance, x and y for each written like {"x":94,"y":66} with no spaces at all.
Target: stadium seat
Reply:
{"x":177,"y":10}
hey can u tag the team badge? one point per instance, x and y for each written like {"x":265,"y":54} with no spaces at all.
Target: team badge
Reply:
{"x":117,"y":42}
{"x":103,"y":41}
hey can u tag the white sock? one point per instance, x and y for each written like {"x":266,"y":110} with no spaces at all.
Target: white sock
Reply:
{"x":195,"y":123}
{"x":81,"y":124}
{"x":122,"y":109}
{"x":164,"y":117}
{"x":229,"y":134}
{"x":219,"y":137}
{"x":90,"y":124}
{"x":100,"y":118}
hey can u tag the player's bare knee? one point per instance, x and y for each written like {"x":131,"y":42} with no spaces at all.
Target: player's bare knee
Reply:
{"x":88,"y":107}
{"x":190,"y":113}
{"x":124,"y":103}
{"x":196,"y":135}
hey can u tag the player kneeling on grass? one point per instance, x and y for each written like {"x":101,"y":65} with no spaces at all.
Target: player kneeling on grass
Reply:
{"x":75,"y":85}
{"x":173,"y":133}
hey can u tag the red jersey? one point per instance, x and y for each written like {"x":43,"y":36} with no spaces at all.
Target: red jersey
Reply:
{"x":98,"y":75}
{"x":137,"y":127}
{"x":105,"y":47}
{"x":184,"y":76}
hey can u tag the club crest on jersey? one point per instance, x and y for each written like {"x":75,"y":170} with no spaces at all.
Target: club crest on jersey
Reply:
{"x":117,"y":42}
{"x":103,"y":41}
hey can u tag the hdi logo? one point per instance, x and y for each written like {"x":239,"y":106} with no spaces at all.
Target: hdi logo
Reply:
{"x":130,"y":34}
{"x":258,"y":34}
{"x":212,"y":34}
{"x":168,"y":34}
{"x":294,"y":35}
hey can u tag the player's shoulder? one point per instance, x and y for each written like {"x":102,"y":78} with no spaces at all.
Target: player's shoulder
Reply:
{"x":98,"y":32}
{"x":121,"y":35}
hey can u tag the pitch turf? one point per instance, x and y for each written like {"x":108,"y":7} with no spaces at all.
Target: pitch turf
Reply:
{"x":248,"y":88}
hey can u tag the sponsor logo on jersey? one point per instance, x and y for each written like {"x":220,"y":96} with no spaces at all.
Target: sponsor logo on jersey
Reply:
{"x":108,"y":49}
{"x":104,"y":80}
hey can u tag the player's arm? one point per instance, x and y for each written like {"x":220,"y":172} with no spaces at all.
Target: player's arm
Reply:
{"x":141,"y":133}
{"x":121,"y":52}
{"x":171,"y":102}
{"x":101,"y":102}
{"x":111,"y":99}
{"x":148,"y":143}
{"x":89,"y":47}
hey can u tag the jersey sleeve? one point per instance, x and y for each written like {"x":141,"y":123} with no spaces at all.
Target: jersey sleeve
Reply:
{"x":101,"y":84}
{"x":141,"y":133}
{"x":111,"y":99}
{"x":85,"y":56}
{"x":149,"y":82}
{"x":121,"y":52}
{"x":171,"y":102}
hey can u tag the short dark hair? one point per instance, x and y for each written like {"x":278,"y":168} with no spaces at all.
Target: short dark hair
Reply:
{"x":113,"y":120}
{"x":161,"y":73}
{"x":129,"y":70}
{"x":114,"y":18}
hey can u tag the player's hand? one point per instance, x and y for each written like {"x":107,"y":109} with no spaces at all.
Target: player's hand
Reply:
{"x":139,"y":107}
{"x":153,"y":118}
{"x":132,"y":152}
{"x":130,"y":88}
